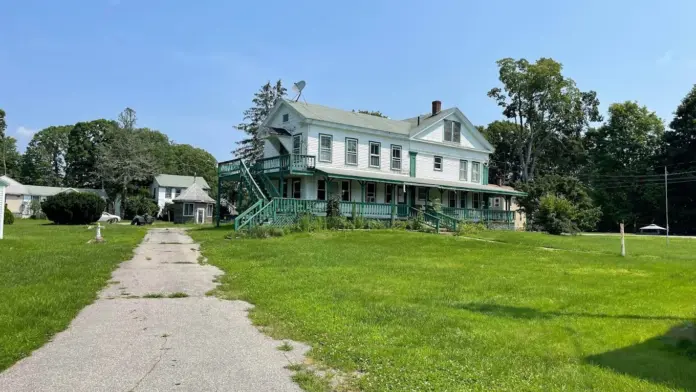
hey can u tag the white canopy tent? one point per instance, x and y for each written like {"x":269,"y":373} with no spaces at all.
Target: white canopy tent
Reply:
{"x":652,"y":228}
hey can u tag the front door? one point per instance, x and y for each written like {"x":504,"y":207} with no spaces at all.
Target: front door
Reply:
{"x":200,"y":216}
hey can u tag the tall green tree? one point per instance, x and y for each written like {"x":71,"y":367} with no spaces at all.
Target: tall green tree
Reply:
{"x":504,"y":164}
{"x":679,"y":156}
{"x":251,"y":148}
{"x":12,"y":159}
{"x":193,"y":161}
{"x":547,"y":108}
{"x":43,"y":162}
{"x":122,"y":159}
{"x":624,"y":154}
{"x":84,"y":140}
{"x":159,"y":147}
{"x":3,"y":127}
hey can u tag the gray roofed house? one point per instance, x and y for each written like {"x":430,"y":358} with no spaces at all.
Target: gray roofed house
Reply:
{"x":19,"y":196}
{"x":193,"y":205}
{"x":176,"y":181}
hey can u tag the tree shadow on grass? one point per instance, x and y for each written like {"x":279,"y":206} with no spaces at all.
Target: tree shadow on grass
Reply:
{"x":653,"y":360}
{"x":531,"y":313}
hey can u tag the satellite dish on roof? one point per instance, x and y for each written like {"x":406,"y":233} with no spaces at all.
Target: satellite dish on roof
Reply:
{"x":298,"y":87}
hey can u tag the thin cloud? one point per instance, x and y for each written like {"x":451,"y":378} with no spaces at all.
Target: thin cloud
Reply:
{"x":24,"y":133}
{"x":666,"y":58}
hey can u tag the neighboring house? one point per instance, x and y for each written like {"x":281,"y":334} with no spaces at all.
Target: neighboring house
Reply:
{"x":193,"y":205}
{"x":19,"y":196}
{"x":313,"y":151}
{"x":166,"y":187}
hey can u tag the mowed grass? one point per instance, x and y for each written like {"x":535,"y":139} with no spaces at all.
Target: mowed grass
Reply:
{"x":48,"y":273}
{"x":407,"y":311}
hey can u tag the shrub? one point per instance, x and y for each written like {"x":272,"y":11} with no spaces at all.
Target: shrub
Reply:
{"x":437,"y":204}
{"x":338,"y":223}
{"x":333,"y":206}
{"x":8,"y":218}
{"x":35,"y":208}
{"x":374,"y":224}
{"x":557,"y":215}
{"x":310,"y":223}
{"x":73,"y":208}
{"x":469,"y":228}
{"x":399,"y":225}
{"x":139,"y":205}
{"x":359,"y":222}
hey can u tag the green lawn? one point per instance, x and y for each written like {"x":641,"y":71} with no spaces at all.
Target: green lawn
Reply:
{"x":410,"y":311}
{"x":47,"y":274}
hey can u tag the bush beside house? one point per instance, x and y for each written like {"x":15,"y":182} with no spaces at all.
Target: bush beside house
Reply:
{"x":8,"y":217}
{"x":73,"y":208}
{"x":140,"y":205}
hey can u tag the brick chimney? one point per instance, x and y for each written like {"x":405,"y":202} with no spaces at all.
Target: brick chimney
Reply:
{"x":437,"y":106}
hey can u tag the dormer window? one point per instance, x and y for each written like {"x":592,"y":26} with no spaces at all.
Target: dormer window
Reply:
{"x":453,"y":130}
{"x":286,"y":117}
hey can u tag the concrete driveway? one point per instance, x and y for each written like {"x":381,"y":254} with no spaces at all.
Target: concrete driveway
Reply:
{"x":124,"y":343}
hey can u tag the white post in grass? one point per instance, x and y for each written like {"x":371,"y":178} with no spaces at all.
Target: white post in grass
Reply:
{"x":623,"y":243}
{"x":99,"y":237}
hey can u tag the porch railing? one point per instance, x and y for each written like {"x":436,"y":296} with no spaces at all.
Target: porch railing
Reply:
{"x":318,"y":207}
{"x":476,"y":215}
{"x":230,"y":168}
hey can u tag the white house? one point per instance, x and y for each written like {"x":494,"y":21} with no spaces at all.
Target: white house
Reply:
{"x":312,"y":151}
{"x":166,"y":187}
{"x":19,"y":197}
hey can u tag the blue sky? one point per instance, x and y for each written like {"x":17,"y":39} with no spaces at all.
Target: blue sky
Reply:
{"x":191,"y":68}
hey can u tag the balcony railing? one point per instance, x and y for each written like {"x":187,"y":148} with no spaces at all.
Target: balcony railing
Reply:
{"x":285,"y":163}
{"x":230,"y":168}
{"x":475,"y":215}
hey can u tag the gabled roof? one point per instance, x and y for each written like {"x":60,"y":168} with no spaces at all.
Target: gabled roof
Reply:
{"x":409,"y":127}
{"x":194,"y":193}
{"x":3,"y":183}
{"x":324,"y":113}
{"x":16,"y":188}
{"x":175,"y":181}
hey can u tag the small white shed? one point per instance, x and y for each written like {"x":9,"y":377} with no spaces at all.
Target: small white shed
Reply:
{"x":3,"y":186}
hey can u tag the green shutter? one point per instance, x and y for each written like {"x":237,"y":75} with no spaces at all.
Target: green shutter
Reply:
{"x":412,"y":164}
{"x":485,"y":175}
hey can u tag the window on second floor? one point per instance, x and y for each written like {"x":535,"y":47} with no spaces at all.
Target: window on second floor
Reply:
{"x":396,"y":158}
{"x":475,"y":172}
{"x":463,"y":170}
{"x":351,"y":151}
{"x":375,"y":149}
{"x":437,"y":163}
{"x":286,"y":117}
{"x":297,"y":144}
{"x":325,"y":148}
{"x":453,"y":130}
{"x":168,"y":193}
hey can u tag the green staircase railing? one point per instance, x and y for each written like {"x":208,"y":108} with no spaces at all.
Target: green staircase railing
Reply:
{"x":262,"y":215}
{"x":428,"y":219}
{"x":447,"y":221}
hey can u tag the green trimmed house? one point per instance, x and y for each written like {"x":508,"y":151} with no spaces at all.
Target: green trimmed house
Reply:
{"x":378,"y":166}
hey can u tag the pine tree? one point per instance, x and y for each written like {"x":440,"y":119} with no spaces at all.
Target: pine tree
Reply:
{"x":251,"y":148}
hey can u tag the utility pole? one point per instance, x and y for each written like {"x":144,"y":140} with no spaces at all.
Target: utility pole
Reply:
{"x":666,"y":208}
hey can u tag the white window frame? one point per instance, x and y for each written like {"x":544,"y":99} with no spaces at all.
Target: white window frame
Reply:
{"x":435,"y":164}
{"x":187,"y":205}
{"x":351,"y":154}
{"x":463,"y":170}
{"x":388,"y":193}
{"x":476,"y":201}
{"x":344,"y":192}
{"x":396,"y":161}
{"x":376,"y":155}
{"x":209,"y":210}
{"x":323,"y":149}
{"x":297,"y":149}
{"x":496,"y":202}
{"x":476,"y":172}
{"x":168,"y":193}
{"x":425,"y":196}
{"x":452,"y":199}
{"x":450,"y":124}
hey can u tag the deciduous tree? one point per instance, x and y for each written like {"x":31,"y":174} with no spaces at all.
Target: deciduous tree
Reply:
{"x":43,"y":162}
{"x":547,"y":108}
{"x":84,"y":140}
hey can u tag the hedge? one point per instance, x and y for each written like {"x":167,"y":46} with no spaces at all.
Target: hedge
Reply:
{"x":73,"y":208}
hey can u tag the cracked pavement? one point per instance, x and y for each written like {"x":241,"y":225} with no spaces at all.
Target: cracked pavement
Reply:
{"x":121,"y":343}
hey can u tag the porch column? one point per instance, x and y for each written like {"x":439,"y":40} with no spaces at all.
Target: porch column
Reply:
{"x":486,"y":206}
{"x":508,"y":201}
{"x":442,"y":196}
{"x":282,"y":189}
{"x":393,"y":204}
{"x":217,"y":201}
{"x":362,"y":196}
